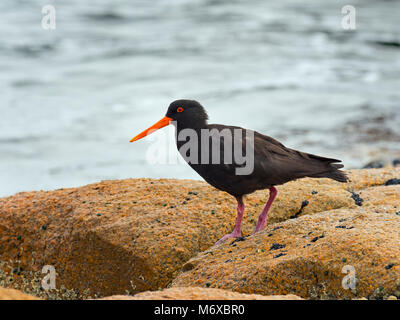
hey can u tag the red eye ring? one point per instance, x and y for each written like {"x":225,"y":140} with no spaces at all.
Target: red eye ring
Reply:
{"x":180,"y":109}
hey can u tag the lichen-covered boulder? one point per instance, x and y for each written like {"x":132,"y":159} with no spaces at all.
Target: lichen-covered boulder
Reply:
{"x":197,"y":293}
{"x":309,"y":256}
{"x":128,"y":236}
{"x":12,"y":294}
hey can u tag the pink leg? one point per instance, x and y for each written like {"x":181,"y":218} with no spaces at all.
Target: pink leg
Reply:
{"x":237,"y":232}
{"x":262,"y":219}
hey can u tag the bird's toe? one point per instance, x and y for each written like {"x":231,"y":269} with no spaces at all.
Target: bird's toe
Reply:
{"x":230,"y":235}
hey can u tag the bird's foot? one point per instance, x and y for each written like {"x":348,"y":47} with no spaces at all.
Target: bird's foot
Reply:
{"x":256,"y":230}
{"x":230,"y":235}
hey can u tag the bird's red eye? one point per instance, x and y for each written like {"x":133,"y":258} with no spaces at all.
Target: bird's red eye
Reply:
{"x":180,"y":109}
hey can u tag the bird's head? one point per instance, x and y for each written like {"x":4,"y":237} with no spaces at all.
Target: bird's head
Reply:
{"x":184,"y":113}
{"x":188,"y":112}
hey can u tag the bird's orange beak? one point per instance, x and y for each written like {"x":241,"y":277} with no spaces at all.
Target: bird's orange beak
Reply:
{"x":158,"y":125}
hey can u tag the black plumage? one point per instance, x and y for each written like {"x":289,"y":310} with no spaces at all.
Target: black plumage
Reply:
{"x":274,"y":164}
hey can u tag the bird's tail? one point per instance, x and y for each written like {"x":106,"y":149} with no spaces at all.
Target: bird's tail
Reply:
{"x":330,"y":169}
{"x":334,"y":174}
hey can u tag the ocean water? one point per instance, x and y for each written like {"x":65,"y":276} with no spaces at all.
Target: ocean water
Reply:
{"x":71,"y":98}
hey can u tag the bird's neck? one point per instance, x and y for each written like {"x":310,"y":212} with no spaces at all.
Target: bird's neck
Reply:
{"x":188,"y":131}
{"x":196,"y":125}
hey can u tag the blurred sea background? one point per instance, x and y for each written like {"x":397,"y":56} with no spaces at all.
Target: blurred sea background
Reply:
{"x":72,"y":98}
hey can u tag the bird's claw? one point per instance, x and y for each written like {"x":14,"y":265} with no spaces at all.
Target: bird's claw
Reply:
{"x":256,"y":230}
{"x":230,"y":235}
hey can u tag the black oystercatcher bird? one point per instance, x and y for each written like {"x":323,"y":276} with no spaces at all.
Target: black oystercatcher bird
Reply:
{"x":273,"y":163}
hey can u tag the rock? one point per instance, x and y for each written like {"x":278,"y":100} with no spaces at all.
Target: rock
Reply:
{"x":391,"y":182}
{"x":134,"y":235}
{"x":11,"y":294}
{"x":316,"y":249}
{"x":196,"y":293}
{"x":113,"y":236}
{"x":382,"y":163}
{"x":379,"y":195}
{"x":374,"y":165}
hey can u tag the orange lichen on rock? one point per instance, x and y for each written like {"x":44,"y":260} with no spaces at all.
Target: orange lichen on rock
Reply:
{"x":11,"y":294}
{"x":306,"y":256}
{"x":134,"y":235}
{"x":197,"y":293}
